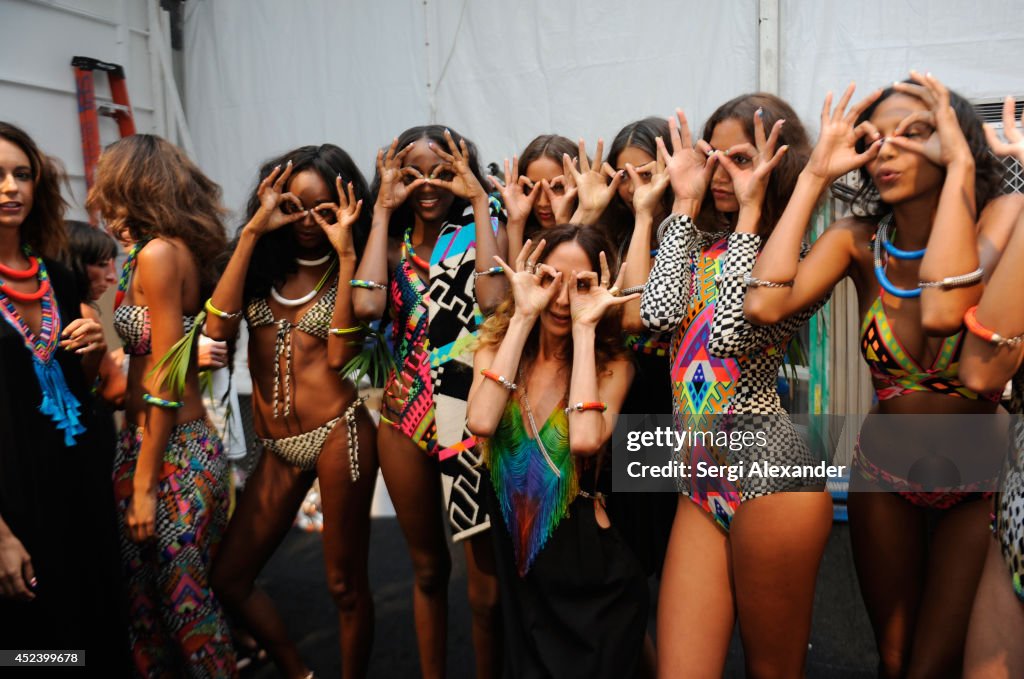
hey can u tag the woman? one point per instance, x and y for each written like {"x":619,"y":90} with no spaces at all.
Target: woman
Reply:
{"x":91,"y":255}
{"x":747,"y":548}
{"x":289,"y":276}
{"x":928,"y":196}
{"x":538,"y":198}
{"x":991,"y":357}
{"x":574,"y":598}
{"x":170,"y":476}
{"x":435,"y":230}
{"x":49,"y":596}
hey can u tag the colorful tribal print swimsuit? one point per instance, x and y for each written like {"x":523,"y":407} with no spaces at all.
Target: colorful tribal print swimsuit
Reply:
{"x":896,"y":373}
{"x":411,"y":376}
{"x":721,"y":364}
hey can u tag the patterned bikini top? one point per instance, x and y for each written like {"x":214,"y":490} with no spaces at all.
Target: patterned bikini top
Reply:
{"x":898,"y":372}
{"x":409,"y":303}
{"x":316,"y":321}
{"x":133,"y":327}
{"x":534,"y":484}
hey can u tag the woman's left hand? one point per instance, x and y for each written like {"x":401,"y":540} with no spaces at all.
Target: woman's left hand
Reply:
{"x":337,"y":220}
{"x":464,"y":184}
{"x":141,"y":517}
{"x":647,"y":195}
{"x":936,"y":133}
{"x":750,"y":166}
{"x":590,"y":296}
{"x":593,"y":190}
{"x":83,"y":335}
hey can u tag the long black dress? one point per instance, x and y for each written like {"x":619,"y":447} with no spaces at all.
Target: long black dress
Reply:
{"x":58,"y":501}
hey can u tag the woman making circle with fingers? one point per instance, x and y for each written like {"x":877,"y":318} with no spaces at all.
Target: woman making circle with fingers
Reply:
{"x":435,"y":230}
{"x":743,"y":549}
{"x":170,"y":473}
{"x":289,"y":277}
{"x":539,"y":198}
{"x":928,"y":196}
{"x":550,"y":375}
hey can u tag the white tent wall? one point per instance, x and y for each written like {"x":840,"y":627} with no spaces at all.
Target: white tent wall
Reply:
{"x":975,"y":48}
{"x":263,"y":77}
{"x":37,"y":83}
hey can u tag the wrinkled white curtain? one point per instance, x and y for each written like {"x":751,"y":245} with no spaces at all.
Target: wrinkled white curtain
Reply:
{"x":263,"y":77}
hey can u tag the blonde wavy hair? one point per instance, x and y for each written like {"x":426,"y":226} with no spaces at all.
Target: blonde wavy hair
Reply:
{"x":608,"y":344}
{"x":146,"y":188}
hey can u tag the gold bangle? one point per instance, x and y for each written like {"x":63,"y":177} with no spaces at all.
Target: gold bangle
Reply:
{"x":347,"y":331}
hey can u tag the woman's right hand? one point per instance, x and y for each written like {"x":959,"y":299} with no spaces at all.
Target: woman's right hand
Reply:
{"x":593,"y":189}
{"x":16,"y":576}
{"x":836,"y":153}
{"x":396,"y":183}
{"x":533,"y":285}
{"x":274,"y":202}
{"x":1014,"y":144}
{"x":518,"y":203}
{"x":141,"y":516}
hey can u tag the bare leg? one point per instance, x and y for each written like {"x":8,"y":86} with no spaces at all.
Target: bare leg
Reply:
{"x":414,"y":485}
{"x":956,"y":558}
{"x":888,"y":536}
{"x":995,"y":645}
{"x":346,"y":537}
{"x":696,"y":602}
{"x":482,"y":586}
{"x":264,"y":513}
{"x":777,"y":542}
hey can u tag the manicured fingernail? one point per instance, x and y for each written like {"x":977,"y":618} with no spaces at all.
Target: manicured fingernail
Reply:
{"x":33,"y":583}
{"x":759,"y":111}
{"x":339,"y":175}
{"x":289,"y":162}
{"x":277,"y":167}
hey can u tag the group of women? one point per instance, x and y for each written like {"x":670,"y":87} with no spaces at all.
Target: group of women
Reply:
{"x":522,"y":315}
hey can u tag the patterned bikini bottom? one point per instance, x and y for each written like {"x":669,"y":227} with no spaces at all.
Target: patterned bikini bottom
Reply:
{"x":303,"y":450}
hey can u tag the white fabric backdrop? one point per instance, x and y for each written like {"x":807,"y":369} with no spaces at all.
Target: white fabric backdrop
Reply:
{"x":264,"y":76}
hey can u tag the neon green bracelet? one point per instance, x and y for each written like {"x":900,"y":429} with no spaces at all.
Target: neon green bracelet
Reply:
{"x":217,"y":312}
{"x":163,"y":403}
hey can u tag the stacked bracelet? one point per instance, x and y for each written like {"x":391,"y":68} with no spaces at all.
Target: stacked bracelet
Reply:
{"x":490,"y":272}
{"x":961,"y":281}
{"x":990,"y":336}
{"x":633,"y":290}
{"x":210,"y":309}
{"x":588,"y":405}
{"x":369,"y":285}
{"x":500,"y":379}
{"x":163,"y":403}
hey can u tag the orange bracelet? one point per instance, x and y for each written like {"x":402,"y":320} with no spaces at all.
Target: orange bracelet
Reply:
{"x":990,"y":336}
{"x":588,"y":405}
{"x":500,"y":379}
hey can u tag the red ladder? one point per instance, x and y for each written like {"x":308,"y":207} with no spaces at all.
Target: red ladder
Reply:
{"x":88,"y":112}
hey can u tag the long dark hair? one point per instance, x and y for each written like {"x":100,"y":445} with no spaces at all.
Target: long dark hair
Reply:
{"x":642,"y":134}
{"x":43,"y":228}
{"x":988,"y":171}
{"x":147,"y":187}
{"x":784,"y":176}
{"x":402,"y":217}
{"x":87,"y":246}
{"x":609,"y":331}
{"x":273,"y":259}
{"x":551,"y":146}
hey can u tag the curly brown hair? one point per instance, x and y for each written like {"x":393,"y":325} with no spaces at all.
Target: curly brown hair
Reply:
{"x":608,"y":345}
{"x":146,"y":188}
{"x":43,"y":228}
